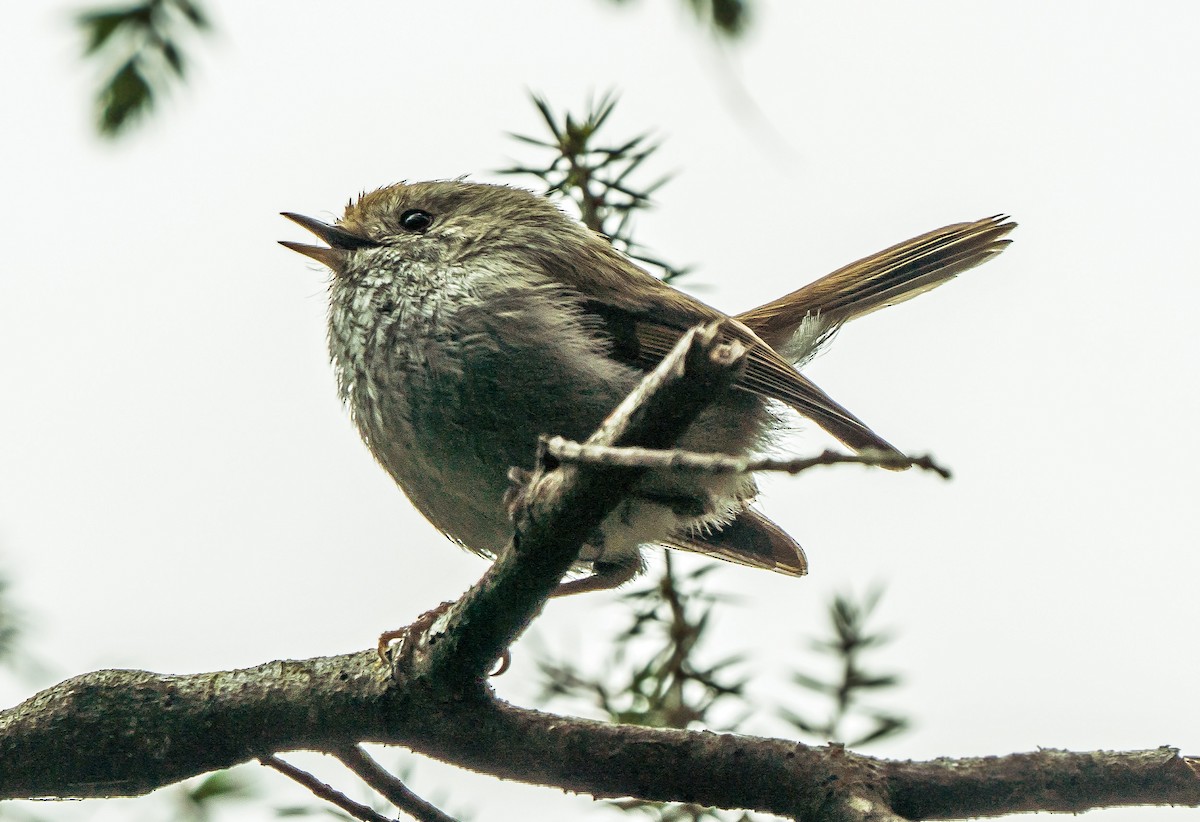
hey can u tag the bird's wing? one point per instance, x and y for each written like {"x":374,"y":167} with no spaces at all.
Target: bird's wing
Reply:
{"x":642,"y":341}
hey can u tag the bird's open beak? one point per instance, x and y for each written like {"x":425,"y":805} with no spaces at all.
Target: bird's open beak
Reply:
{"x":339,"y":239}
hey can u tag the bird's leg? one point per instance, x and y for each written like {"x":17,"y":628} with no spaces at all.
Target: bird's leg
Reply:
{"x":409,"y":634}
{"x":604,"y":576}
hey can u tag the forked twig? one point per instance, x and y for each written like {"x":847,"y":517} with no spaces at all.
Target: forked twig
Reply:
{"x":389,"y":785}
{"x":324,"y":791}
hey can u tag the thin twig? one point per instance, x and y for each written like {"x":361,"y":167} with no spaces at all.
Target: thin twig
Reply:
{"x":389,"y":785}
{"x":566,"y":450}
{"x":324,"y":791}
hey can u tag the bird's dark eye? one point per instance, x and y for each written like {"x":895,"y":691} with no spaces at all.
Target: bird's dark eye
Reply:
{"x":416,"y":220}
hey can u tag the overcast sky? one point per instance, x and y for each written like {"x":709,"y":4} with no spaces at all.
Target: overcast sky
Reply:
{"x":180,"y":490}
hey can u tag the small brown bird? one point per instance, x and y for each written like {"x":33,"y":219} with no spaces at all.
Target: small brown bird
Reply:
{"x":465,"y":320}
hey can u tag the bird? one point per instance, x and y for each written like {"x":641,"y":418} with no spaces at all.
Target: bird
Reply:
{"x":467,"y":319}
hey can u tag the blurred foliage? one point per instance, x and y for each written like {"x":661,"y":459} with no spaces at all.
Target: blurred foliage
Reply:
{"x":15,"y":654}
{"x":201,"y":800}
{"x":851,"y":640}
{"x":11,"y":624}
{"x":654,"y":676}
{"x":595,"y":179}
{"x":666,"y":687}
{"x":726,"y":19}
{"x":140,"y":52}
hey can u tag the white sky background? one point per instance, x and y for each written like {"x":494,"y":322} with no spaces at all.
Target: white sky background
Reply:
{"x":180,"y":490}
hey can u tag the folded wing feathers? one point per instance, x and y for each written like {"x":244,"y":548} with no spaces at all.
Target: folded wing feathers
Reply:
{"x":769,"y":374}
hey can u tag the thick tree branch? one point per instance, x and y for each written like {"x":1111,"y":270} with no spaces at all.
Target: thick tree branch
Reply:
{"x":123,"y":733}
{"x":1044,"y":780}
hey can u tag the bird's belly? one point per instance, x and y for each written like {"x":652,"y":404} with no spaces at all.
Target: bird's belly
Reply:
{"x":455,"y":416}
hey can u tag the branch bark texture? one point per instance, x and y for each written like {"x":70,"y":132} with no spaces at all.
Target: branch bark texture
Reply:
{"x":125,"y":733}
